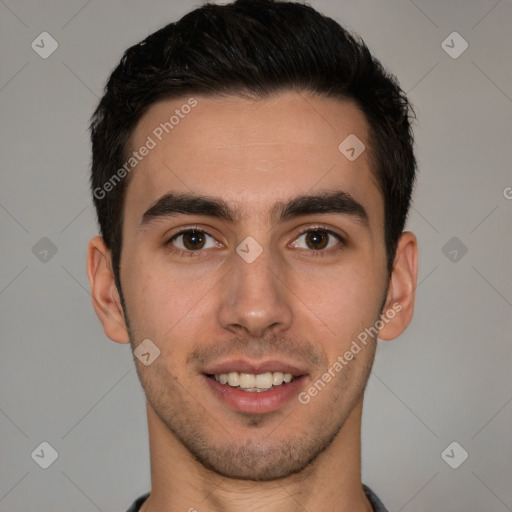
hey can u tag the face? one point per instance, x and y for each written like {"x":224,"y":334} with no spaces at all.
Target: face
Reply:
{"x":268,"y":259}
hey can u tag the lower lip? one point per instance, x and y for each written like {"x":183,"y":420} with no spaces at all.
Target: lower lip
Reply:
{"x":257,"y":402}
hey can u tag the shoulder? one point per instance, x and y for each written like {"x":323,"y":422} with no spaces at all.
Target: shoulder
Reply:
{"x":138,"y":503}
{"x":377,"y":505}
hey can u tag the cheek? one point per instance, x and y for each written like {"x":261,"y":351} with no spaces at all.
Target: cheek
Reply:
{"x":149,"y":299}
{"x":345,"y":294}
{"x":171,"y":308}
{"x":345,"y":302}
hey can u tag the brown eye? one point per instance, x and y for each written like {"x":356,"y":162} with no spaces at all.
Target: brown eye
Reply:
{"x":317,"y":239}
{"x":191,"y":240}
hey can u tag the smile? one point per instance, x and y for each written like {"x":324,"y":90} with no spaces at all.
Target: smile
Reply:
{"x":251,"y":382}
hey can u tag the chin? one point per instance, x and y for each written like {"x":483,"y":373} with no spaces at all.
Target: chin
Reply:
{"x":261,"y":461}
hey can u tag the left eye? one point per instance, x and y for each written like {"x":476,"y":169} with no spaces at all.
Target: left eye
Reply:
{"x":317,"y":239}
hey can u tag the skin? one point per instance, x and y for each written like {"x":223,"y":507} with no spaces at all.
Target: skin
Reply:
{"x":292,"y":303}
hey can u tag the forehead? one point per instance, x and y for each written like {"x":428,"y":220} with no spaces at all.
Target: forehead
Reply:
{"x":252,"y":153}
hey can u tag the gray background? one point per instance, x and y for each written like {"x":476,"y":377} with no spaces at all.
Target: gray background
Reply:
{"x":446,"y":379}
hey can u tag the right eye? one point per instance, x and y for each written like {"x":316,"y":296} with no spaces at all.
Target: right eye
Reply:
{"x":193,"y":240}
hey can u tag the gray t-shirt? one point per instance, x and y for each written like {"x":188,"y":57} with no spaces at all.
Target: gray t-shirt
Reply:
{"x":372,"y":498}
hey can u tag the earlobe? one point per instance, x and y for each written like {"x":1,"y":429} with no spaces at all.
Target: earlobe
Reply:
{"x":104,"y":294}
{"x":399,"y":308}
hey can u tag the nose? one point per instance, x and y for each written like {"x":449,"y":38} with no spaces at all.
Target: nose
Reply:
{"x":255,"y":300}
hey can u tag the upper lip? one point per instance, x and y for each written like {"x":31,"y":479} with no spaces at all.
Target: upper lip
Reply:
{"x":244,"y":366}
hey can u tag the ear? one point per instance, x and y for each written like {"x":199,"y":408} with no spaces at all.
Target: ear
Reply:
{"x":104,"y":294}
{"x":399,"y":307}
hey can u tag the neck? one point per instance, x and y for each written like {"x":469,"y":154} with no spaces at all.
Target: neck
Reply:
{"x":331,"y":482}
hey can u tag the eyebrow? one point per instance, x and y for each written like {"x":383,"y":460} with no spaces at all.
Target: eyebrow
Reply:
{"x":337,"y":202}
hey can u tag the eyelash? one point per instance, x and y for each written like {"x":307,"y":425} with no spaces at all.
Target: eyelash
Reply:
{"x":196,"y":254}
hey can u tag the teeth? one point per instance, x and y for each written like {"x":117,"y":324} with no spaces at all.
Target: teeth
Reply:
{"x":252,"y":382}
{"x":233,"y":379}
{"x":247,"y":381}
{"x":277,"y":378}
{"x":263,"y":381}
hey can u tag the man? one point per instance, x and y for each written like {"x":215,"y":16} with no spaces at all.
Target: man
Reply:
{"x":252,"y":171}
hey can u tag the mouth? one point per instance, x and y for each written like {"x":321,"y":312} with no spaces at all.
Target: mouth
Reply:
{"x":254,"y":383}
{"x":255,"y":388}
